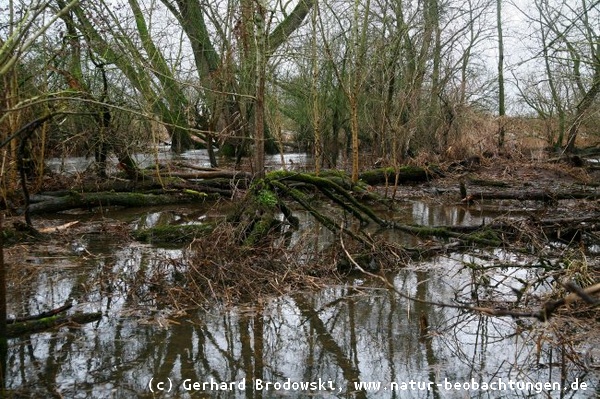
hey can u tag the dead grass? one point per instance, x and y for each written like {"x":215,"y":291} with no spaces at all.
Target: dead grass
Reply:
{"x":217,"y":268}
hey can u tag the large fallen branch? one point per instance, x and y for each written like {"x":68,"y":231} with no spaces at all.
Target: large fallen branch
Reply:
{"x":524,"y":195}
{"x":92,"y":200}
{"x":42,"y":315}
{"x":211,"y":174}
{"x":292,"y":185}
{"x":33,"y":326}
{"x":219,"y":181}
{"x":400,"y":175}
{"x":559,"y":228}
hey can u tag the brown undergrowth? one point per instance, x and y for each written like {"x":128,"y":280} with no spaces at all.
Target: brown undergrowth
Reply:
{"x":218,"y":268}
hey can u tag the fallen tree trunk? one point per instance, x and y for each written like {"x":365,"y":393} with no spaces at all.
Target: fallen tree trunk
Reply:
{"x":405,"y":174}
{"x":292,"y":185}
{"x":33,"y":326}
{"x":91,"y":200}
{"x":522,"y":195}
{"x":559,"y":229}
{"x":172,"y":234}
{"x":42,"y":315}
{"x":214,"y":180}
{"x":212,"y":174}
{"x":548,"y":225}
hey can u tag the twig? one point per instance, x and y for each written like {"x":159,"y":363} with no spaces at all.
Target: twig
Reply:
{"x":547,"y":310}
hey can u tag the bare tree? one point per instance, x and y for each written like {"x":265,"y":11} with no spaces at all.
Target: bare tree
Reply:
{"x":501,"y":95}
{"x":570,"y":55}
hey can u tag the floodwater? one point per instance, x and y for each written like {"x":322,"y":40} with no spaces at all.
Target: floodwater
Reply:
{"x":75,"y":165}
{"x":358,"y":339}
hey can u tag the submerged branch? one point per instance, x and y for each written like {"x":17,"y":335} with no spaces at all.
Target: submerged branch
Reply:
{"x":42,"y":315}
{"x":546,"y":311}
{"x":33,"y":326}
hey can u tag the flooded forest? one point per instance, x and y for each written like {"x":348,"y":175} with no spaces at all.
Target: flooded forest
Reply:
{"x":330,"y":199}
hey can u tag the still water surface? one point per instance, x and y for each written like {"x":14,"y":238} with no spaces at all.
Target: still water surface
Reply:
{"x":354,"y":340}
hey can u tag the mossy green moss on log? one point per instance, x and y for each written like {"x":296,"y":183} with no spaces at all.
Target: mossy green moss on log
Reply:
{"x":33,"y":326}
{"x":484,"y":236}
{"x":169,"y":234}
{"x":261,"y":227}
{"x":406,"y":174}
{"x":326,"y":221}
{"x":334,"y":191}
{"x":92,"y":200}
{"x":256,"y":218}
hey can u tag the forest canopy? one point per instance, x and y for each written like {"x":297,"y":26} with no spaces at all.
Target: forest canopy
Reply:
{"x":392,"y":78}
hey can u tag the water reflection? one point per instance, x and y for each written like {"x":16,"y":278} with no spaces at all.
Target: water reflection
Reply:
{"x":342,"y":341}
{"x":338,"y":338}
{"x":200,"y":158}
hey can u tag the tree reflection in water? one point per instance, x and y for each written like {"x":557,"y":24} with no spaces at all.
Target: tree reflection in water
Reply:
{"x":358,"y":333}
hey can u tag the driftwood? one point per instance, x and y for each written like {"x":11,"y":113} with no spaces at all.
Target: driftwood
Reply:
{"x":56,"y":229}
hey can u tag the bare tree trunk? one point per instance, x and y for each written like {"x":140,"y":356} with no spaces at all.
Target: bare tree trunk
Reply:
{"x":3,"y":337}
{"x":260,"y":47}
{"x":354,"y":129}
{"x":585,"y":103}
{"x":501,"y":95}
{"x":359,"y":36}
{"x":316,"y":117}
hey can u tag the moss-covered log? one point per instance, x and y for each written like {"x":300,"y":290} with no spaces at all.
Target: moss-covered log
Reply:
{"x":257,"y":217}
{"x":488,"y":183}
{"x":563,"y":229}
{"x":339,"y":193}
{"x":483,"y":236}
{"x":212,"y":174}
{"x":284,"y":184}
{"x":92,"y":200}
{"x":42,"y":315}
{"x":33,"y":326}
{"x":221,"y":182}
{"x":405,"y":174}
{"x":326,"y":221}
